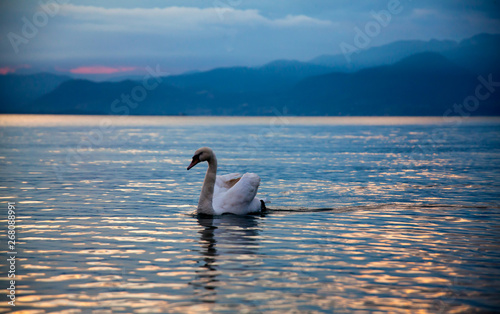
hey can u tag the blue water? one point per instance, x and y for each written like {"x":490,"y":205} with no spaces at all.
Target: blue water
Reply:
{"x":383,"y":214}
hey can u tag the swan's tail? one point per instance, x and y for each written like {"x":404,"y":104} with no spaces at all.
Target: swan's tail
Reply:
{"x":263,"y":202}
{"x":262,"y":206}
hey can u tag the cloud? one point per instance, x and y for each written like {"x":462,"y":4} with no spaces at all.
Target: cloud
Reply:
{"x":101,"y":70}
{"x":7,"y":70}
{"x":12,"y":69}
{"x":300,"y":20}
{"x":200,"y":34}
{"x":181,"y":38}
{"x":175,"y":19}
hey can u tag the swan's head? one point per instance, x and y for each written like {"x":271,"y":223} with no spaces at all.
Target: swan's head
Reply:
{"x":202,"y":154}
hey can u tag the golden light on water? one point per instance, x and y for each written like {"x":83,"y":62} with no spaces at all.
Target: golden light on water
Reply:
{"x":105,"y":122}
{"x":360,"y":222}
{"x":351,"y":248}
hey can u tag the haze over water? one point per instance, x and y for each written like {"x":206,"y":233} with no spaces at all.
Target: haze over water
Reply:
{"x":368,"y":214}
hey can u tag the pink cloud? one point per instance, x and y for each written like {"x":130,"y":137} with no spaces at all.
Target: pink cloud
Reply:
{"x":101,"y":70}
{"x":7,"y":70}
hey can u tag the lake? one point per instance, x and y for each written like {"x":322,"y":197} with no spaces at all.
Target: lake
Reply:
{"x":367,"y":215}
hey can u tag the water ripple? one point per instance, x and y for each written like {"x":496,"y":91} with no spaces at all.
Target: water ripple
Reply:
{"x":364,"y":218}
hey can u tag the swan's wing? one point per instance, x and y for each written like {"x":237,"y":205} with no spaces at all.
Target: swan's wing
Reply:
{"x":238,"y":198}
{"x":225,"y":182}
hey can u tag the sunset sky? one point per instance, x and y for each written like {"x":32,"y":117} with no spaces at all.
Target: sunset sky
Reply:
{"x":109,"y":37}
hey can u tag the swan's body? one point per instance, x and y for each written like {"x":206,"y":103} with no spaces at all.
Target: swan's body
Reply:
{"x":230,"y":193}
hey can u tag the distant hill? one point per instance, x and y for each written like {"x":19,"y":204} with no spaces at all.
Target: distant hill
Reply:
{"x":17,"y":91}
{"x":382,"y":55}
{"x":399,"y":82}
{"x":81,"y":97}
{"x":422,"y":84}
{"x":220,"y":91}
{"x":87,"y":97}
{"x":277,"y":75}
{"x":479,"y":54}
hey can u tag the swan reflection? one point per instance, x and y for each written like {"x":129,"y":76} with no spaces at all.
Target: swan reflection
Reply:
{"x":224,"y":240}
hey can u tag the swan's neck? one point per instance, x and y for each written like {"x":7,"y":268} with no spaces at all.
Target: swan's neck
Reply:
{"x":207,"y":191}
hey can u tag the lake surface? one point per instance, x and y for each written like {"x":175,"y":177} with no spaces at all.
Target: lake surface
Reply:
{"x":368,"y":215}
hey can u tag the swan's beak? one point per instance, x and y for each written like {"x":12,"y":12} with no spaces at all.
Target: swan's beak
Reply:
{"x":194,"y":162}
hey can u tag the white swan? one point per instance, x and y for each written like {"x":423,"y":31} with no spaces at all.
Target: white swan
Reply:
{"x":231,"y":193}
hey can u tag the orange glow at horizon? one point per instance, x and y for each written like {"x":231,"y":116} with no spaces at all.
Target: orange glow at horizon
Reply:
{"x":101,"y":70}
{"x":12,"y":69}
{"x":7,"y":70}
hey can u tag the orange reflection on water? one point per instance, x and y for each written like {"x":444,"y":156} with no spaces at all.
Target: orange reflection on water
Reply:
{"x":64,"y":277}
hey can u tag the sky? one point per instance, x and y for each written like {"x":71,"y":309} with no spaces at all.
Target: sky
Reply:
{"x":117,"y":37}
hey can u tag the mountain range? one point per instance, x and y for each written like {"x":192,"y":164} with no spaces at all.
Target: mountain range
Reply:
{"x":402,"y":78}
{"x":477,"y":54}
